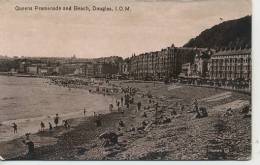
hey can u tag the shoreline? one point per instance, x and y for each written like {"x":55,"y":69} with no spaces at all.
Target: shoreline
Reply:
{"x":244,"y":91}
{"x":49,"y":137}
{"x":82,"y":142}
{"x":28,"y":122}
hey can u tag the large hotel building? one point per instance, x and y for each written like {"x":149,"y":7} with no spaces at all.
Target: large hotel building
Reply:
{"x":161,"y":64}
{"x":231,"y":65}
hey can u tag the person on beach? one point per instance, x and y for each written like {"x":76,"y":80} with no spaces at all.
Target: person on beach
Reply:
{"x":174,"y":113}
{"x":139,"y":106}
{"x":66,"y":124}
{"x":56,"y":120}
{"x":50,"y":126}
{"x":84,"y":112}
{"x":30,"y":144}
{"x":156,"y":112}
{"x":132,"y":100}
{"x":42,"y":126}
{"x":132,"y":128}
{"x":121,"y":109}
{"x":144,"y":115}
{"x":156,"y":106}
{"x":122,"y":101}
{"x":126,"y":99}
{"x":121,"y":123}
{"x":110,"y":137}
{"x":27,"y":136}
{"x":15,"y":127}
{"x":195,"y":106}
{"x":110,"y":107}
{"x":98,"y":120}
{"x":118,"y":104}
{"x":182,"y":108}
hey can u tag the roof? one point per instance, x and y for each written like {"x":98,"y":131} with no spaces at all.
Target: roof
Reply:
{"x":232,"y":52}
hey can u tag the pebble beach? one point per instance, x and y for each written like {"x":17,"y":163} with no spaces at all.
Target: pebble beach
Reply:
{"x":170,"y":132}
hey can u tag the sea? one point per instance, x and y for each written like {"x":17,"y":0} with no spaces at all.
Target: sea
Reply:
{"x":28,"y":101}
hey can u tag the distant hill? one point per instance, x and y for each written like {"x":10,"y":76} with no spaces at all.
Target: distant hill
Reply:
{"x":233,"y":33}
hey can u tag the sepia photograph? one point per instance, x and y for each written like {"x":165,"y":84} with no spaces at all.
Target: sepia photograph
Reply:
{"x":126,"y":80}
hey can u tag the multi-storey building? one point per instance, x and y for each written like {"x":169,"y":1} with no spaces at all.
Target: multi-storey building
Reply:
{"x":105,"y":70}
{"x":33,"y":69}
{"x":161,"y":64}
{"x":124,"y":67}
{"x":231,"y":64}
{"x":69,"y":68}
{"x":198,"y":69}
{"x":89,"y":69}
{"x":186,"y":70}
{"x":99,"y":70}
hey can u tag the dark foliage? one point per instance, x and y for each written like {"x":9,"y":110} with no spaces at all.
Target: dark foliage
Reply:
{"x":233,"y":33}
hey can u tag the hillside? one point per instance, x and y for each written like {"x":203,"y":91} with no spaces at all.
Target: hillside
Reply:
{"x":229,"y":33}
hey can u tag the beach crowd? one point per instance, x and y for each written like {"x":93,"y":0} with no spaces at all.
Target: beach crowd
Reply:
{"x":152,"y":110}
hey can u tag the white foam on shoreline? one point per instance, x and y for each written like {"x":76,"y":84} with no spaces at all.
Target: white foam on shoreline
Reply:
{"x":35,"y":101}
{"x":32,"y":125}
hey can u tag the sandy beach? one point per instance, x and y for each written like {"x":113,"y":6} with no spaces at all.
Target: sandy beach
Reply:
{"x":180,"y":137}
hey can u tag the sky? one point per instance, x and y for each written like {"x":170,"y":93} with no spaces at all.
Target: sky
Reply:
{"x":150,"y":25}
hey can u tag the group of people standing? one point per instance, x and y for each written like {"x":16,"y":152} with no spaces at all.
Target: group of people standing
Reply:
{"x":125,"y":100}
{"x":42,"y":124}
{"x":29,"y":142}
{"x":56,"y":122}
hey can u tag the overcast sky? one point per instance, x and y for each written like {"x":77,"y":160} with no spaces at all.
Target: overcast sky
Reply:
{"x":149,"y":26}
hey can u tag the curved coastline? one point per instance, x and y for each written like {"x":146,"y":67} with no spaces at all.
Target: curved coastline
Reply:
{"x":180,"y":135}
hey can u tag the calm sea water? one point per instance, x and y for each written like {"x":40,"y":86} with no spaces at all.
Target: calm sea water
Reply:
{"x":28,"y":101}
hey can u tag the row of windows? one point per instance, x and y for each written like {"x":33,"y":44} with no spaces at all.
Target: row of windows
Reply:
{"x":231,"y":75}
{"x":245,"y":64}
{"x":230,"y":67}
{"x":166,"y":57}
{"x":232,"y":60}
